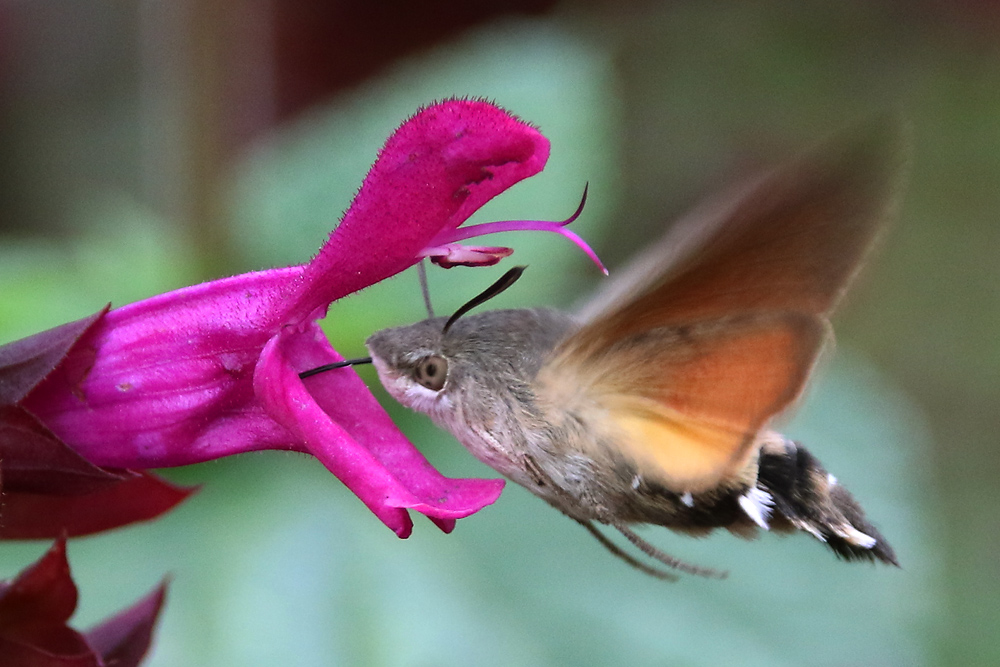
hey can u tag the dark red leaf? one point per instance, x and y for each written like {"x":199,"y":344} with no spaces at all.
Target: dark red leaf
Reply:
{"x":43,"y":594}
{"x":35,"y":608}
{"x":31,"y":516}
{"x":24,"y":363}
{"x":15,"y":653}
{"x":34,"y":460}
{"x":124,"y":639}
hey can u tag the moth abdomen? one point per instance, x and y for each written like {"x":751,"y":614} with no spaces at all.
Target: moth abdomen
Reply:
{"x":806,"y":497}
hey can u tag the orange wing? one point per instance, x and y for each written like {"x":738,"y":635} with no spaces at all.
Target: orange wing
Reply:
{"x":684,"y":404}
{"x":719,"y":326}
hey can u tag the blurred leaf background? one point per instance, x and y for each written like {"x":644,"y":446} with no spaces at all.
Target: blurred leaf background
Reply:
{"x":151,"y":145}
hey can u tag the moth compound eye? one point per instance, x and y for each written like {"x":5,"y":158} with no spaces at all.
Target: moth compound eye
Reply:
{"x":432,"y":372}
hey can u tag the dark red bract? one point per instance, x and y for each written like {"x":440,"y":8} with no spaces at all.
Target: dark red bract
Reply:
{"x":35,"y":609}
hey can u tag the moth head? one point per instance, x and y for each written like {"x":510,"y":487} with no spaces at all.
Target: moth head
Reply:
{"x":412,"y":361}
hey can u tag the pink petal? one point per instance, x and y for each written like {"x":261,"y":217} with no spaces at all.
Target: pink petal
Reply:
{"x":436,"y":170}
{"x":337,"y":414}
{"x":169,"y":381}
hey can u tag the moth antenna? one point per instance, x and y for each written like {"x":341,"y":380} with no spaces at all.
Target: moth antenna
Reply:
{"x":614,"y":549}
{"x":666,"y":558}
{"x":422,"y":273}
{"x":337,"y":364}
{"x":506,"y":280}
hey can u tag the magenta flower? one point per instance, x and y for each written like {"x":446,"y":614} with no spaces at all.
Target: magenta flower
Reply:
{"x":48,"y":489}
{"x":212,"y":370}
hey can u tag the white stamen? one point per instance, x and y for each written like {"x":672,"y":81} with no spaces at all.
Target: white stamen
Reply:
{"x":757,"y":504}
{"x":688,"y":499}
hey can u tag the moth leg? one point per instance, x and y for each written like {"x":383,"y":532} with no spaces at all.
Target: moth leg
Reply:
{"x":613,"y":548}
{"x":666,"y":558}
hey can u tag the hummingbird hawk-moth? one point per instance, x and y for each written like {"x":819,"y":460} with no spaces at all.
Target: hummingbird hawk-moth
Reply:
{"x":655,"y":403}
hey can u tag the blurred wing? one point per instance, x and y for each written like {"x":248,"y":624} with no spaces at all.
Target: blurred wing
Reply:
{"x":790,"y":241}
{"x":714,"y":331}
{"x":684,"y":404}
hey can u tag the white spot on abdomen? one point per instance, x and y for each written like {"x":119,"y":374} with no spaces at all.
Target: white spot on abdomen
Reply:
{"x":757,"y":504}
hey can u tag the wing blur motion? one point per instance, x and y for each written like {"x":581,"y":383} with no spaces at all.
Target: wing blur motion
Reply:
{"x":684,"y":404}
{"x":716,"y":329}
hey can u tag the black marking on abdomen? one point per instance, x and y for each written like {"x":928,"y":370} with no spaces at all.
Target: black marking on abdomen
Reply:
{"x":806,"y":498}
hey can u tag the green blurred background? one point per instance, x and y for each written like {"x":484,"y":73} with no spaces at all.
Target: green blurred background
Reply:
{"x":151,"y":145}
